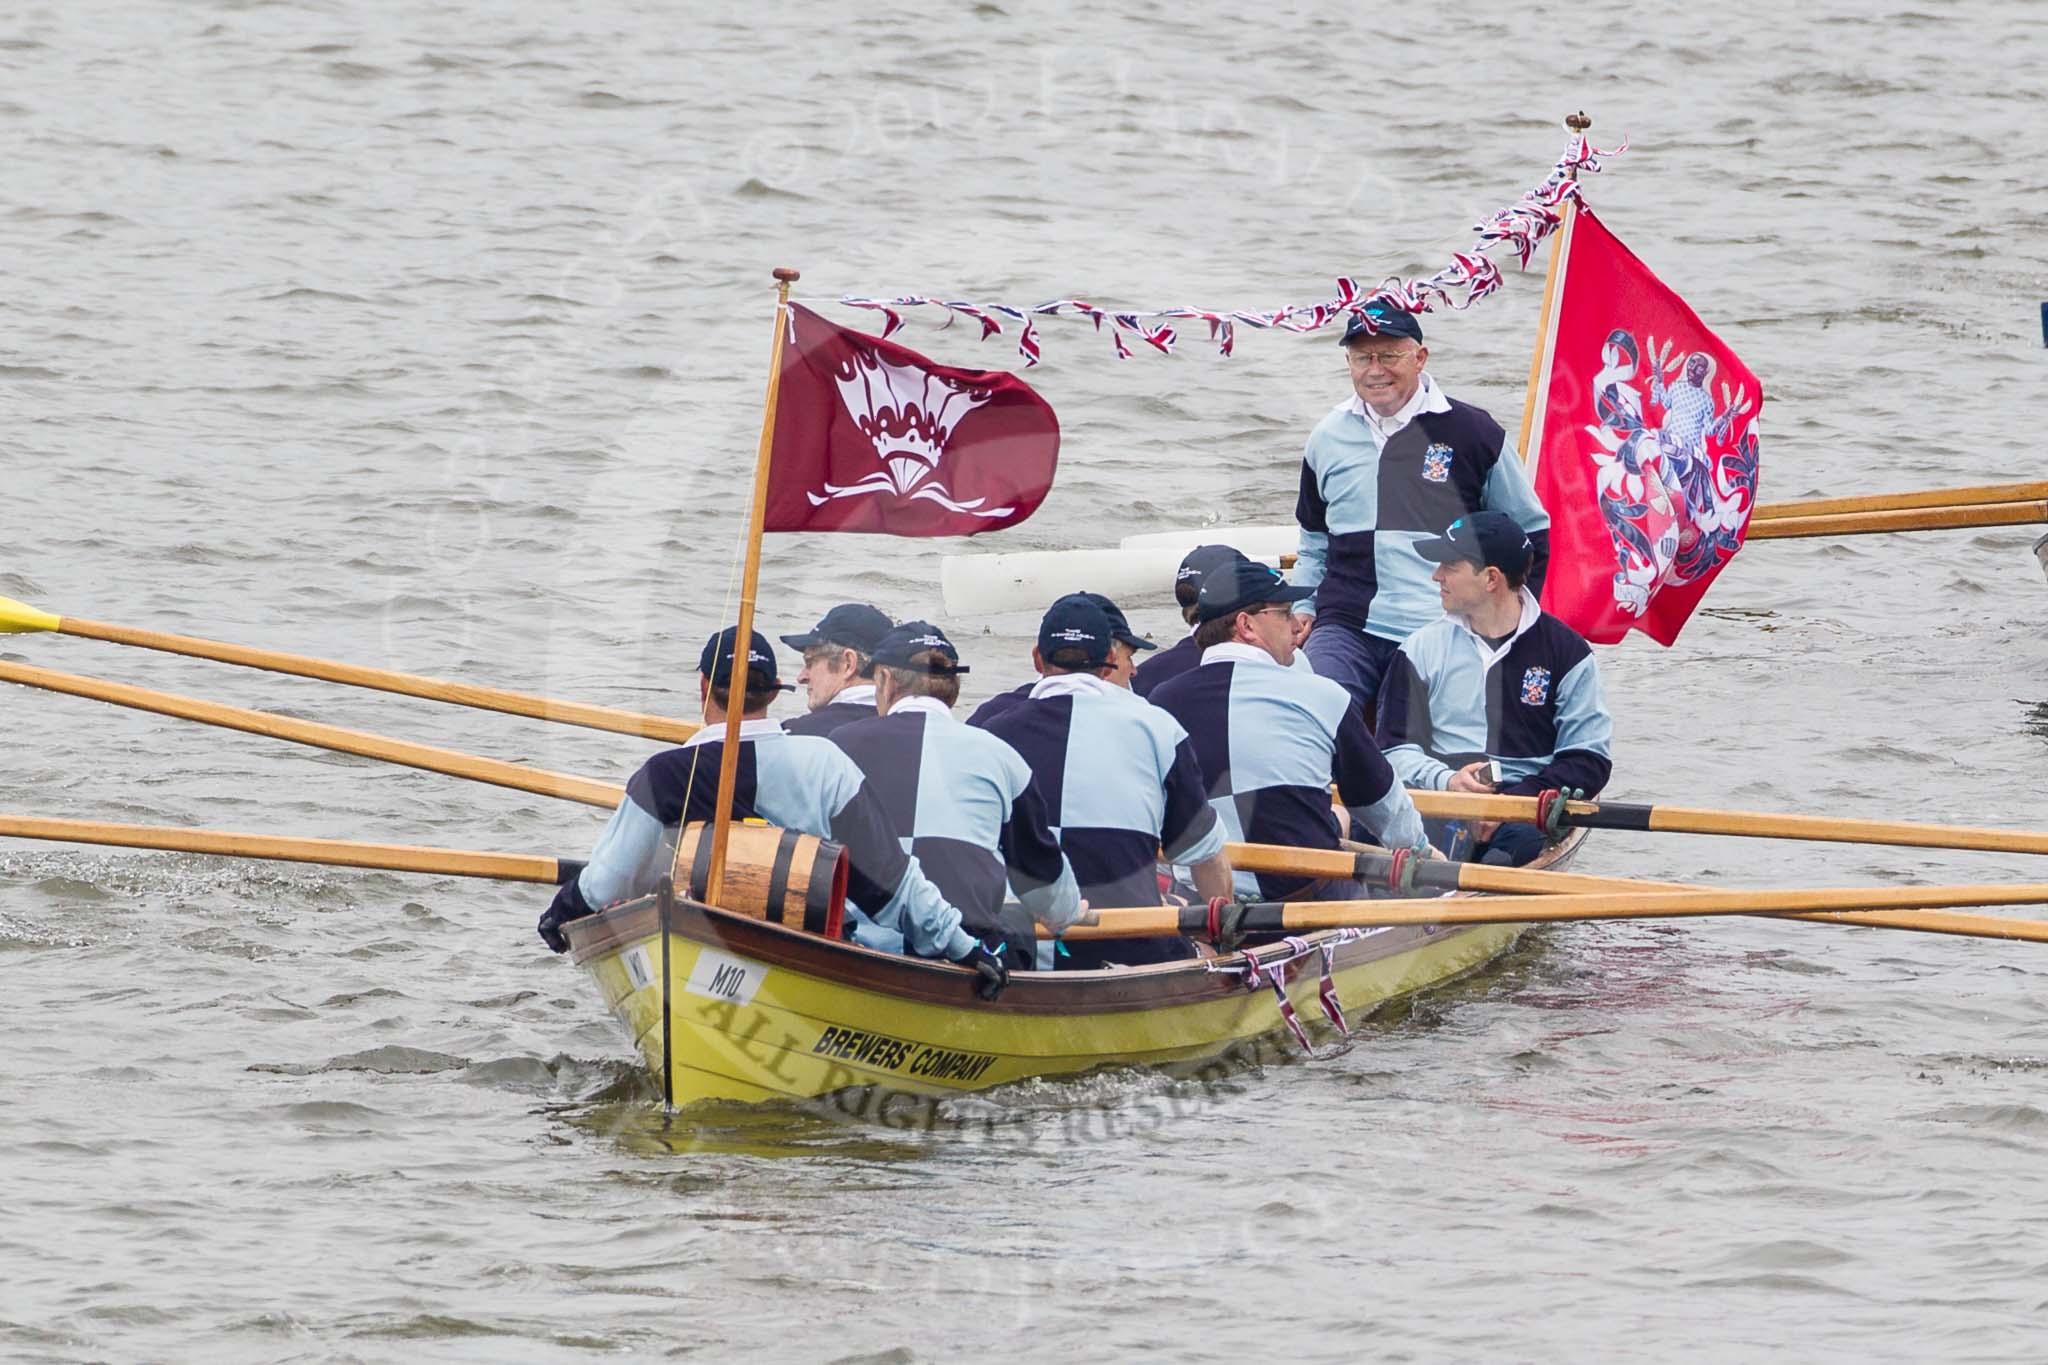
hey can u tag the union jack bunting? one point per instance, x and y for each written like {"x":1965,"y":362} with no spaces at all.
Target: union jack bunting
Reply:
{"x":1471,"y":276}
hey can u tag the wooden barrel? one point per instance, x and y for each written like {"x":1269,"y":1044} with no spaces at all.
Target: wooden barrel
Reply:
{"x":796,"y":880}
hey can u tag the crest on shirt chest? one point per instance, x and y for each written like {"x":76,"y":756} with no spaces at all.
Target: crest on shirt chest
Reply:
{"x":1535,"y":686}
{"x":1436,"y":463}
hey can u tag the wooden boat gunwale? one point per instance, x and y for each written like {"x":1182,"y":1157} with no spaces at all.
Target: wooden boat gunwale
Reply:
{"x":1107,"y":991}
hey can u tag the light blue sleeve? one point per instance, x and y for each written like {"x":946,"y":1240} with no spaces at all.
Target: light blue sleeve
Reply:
{"x":1203,"y":849}
{"x":1413,"y":765}
{"x":1311,"y":562}
{"x":1393,"y":819}
{"x":1582,"y":719}
{"x":927,"y":922}
{"x":1056,"y":904}
{"x":630,"y":858}
{"x":1508,"y":490}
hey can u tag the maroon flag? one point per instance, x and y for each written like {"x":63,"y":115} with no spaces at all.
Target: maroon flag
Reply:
{"x":871,"y":436}
{"x":1647,"y":456}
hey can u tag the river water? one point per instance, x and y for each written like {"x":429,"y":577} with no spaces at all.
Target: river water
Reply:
{"x":433,"y":338}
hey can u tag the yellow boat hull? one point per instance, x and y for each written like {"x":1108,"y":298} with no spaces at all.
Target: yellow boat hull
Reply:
{"x":758,"y":1012}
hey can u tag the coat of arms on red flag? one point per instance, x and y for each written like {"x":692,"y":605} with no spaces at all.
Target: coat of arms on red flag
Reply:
{"x":871,"y":436}
{"x":1647,"y":456}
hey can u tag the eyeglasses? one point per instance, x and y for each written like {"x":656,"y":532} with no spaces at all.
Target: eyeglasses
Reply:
{"x":1388,"y":360}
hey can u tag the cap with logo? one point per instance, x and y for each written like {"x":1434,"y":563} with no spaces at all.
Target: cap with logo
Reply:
{"x":850,"y":625}
{"x":1075,"y":633}
{"x":760,"y":661}
{"x":901,"y":646}
{"x":1120,"y":624}
{"x":1198,"y":563}
{"x":1243,"y":584}
{"x":1491,"y":540}
{"x":1378,"y":320}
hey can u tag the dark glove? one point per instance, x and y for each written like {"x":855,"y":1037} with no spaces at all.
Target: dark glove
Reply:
{"x":568,"y":906}
{"x":989,"y":968}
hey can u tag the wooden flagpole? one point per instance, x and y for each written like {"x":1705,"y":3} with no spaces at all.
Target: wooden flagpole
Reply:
{"x":736,"y":694}
{"x":1578,"y":123}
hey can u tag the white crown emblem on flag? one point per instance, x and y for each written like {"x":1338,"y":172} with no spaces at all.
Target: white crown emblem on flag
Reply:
{"x":911,"y":416}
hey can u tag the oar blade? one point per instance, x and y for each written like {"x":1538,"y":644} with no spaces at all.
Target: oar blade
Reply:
{"x":21,"y":618}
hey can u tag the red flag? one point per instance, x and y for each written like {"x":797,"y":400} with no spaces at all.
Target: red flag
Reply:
{"x":871,"y":436}
{"x":1647,"y":459}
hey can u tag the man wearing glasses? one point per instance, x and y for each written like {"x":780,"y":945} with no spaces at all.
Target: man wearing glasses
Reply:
{"x":1382,"y":473}
{"x":838,"y":677}
{"x":1271,"y":739}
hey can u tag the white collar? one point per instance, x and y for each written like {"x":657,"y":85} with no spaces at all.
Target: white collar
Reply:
{"x":1074,"y":685}
{"x":749,"y":729}
{"x":1426,"y":398}
{"x":931,"y":706}
{"x":858,"y":694}
{"x":1230,"y":651}
{"x":1530,"y":611}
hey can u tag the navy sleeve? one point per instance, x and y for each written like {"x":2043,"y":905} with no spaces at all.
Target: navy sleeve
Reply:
{"x":1310,"y":511}
{"x":1030,"y":851}
{"x":1539,"y":567}
{"x":1189,"y":816}
{"x":1404,"y":705}
{"x":1363,"y":774}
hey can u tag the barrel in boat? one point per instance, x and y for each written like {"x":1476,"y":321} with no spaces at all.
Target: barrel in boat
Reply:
{"x":795,"y":880}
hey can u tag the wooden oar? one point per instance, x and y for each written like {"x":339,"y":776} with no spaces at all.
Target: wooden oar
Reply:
{"x":1898,"y":502}
{"x":1894,"y":903}
{"x":455,"y":862}
{"x":1908,"y":519}
{"x":1742,"y":824}
{"x":20,"y":617}
{"x":1374,"y":867}
{"x":449,"y":761}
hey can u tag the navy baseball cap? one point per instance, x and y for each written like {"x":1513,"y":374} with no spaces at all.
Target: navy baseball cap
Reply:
{"x":1076,"y":624}
{"x":850,"y":625}
{"x":760,"y":661}
{"x":1242,"y":584}
{"x":1492,"y":540}
{"x":1120,"y":624}
{"x":895,"y":650}
{"x":1199,"y":562}
{"x":1384,"y":322}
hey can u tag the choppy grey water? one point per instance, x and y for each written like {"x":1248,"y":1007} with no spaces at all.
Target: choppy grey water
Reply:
{"x":432,"y":337}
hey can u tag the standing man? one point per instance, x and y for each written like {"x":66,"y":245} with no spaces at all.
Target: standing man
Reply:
{"x":1271,"y":738}
{"x":799,"y":782}
{"x":1120,"y":779}
{"x":1495,"y":680}
{"x":960,"y":799}
{"x":1379,"y":475}
{"x":838,"y":676}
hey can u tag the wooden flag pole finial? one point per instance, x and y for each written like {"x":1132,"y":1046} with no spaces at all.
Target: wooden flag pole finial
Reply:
{"x":1578,"y":122}
{"x":789,"y":276}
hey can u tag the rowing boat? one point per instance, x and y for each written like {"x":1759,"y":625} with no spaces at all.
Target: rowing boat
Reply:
{"x":762,"y":1012}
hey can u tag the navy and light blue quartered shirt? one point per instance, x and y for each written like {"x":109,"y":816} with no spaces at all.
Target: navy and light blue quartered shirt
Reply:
{"x":1121,"y":779}
{"x":963,"y":802}
{"x":1367,"y":500}
{"x":1534,"y":704}
{"x":853,"y":703}
{"x":999,"y":703}
{"x":1270,"y":741}
{"x":798,"y":782}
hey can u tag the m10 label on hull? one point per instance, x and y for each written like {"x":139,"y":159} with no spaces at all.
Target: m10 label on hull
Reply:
{"x":722,"y":977}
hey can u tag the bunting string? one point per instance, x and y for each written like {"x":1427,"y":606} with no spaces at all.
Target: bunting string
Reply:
{"x":1471,"y":276}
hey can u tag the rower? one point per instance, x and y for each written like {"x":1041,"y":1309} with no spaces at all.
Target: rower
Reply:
{"x":1187,"y":584}
{"x":799,"y":782}
{"x":1271,"y":738}
{"x":1120,"y":777}
{"x":838,"y":675}
{"x":1123,"y":658}
{"x":1495,"y":680}
{"x":960,"y":799}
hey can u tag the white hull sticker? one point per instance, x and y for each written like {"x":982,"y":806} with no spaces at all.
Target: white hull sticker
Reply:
{"x":639,"y":970}
{"x":726,"y":978}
